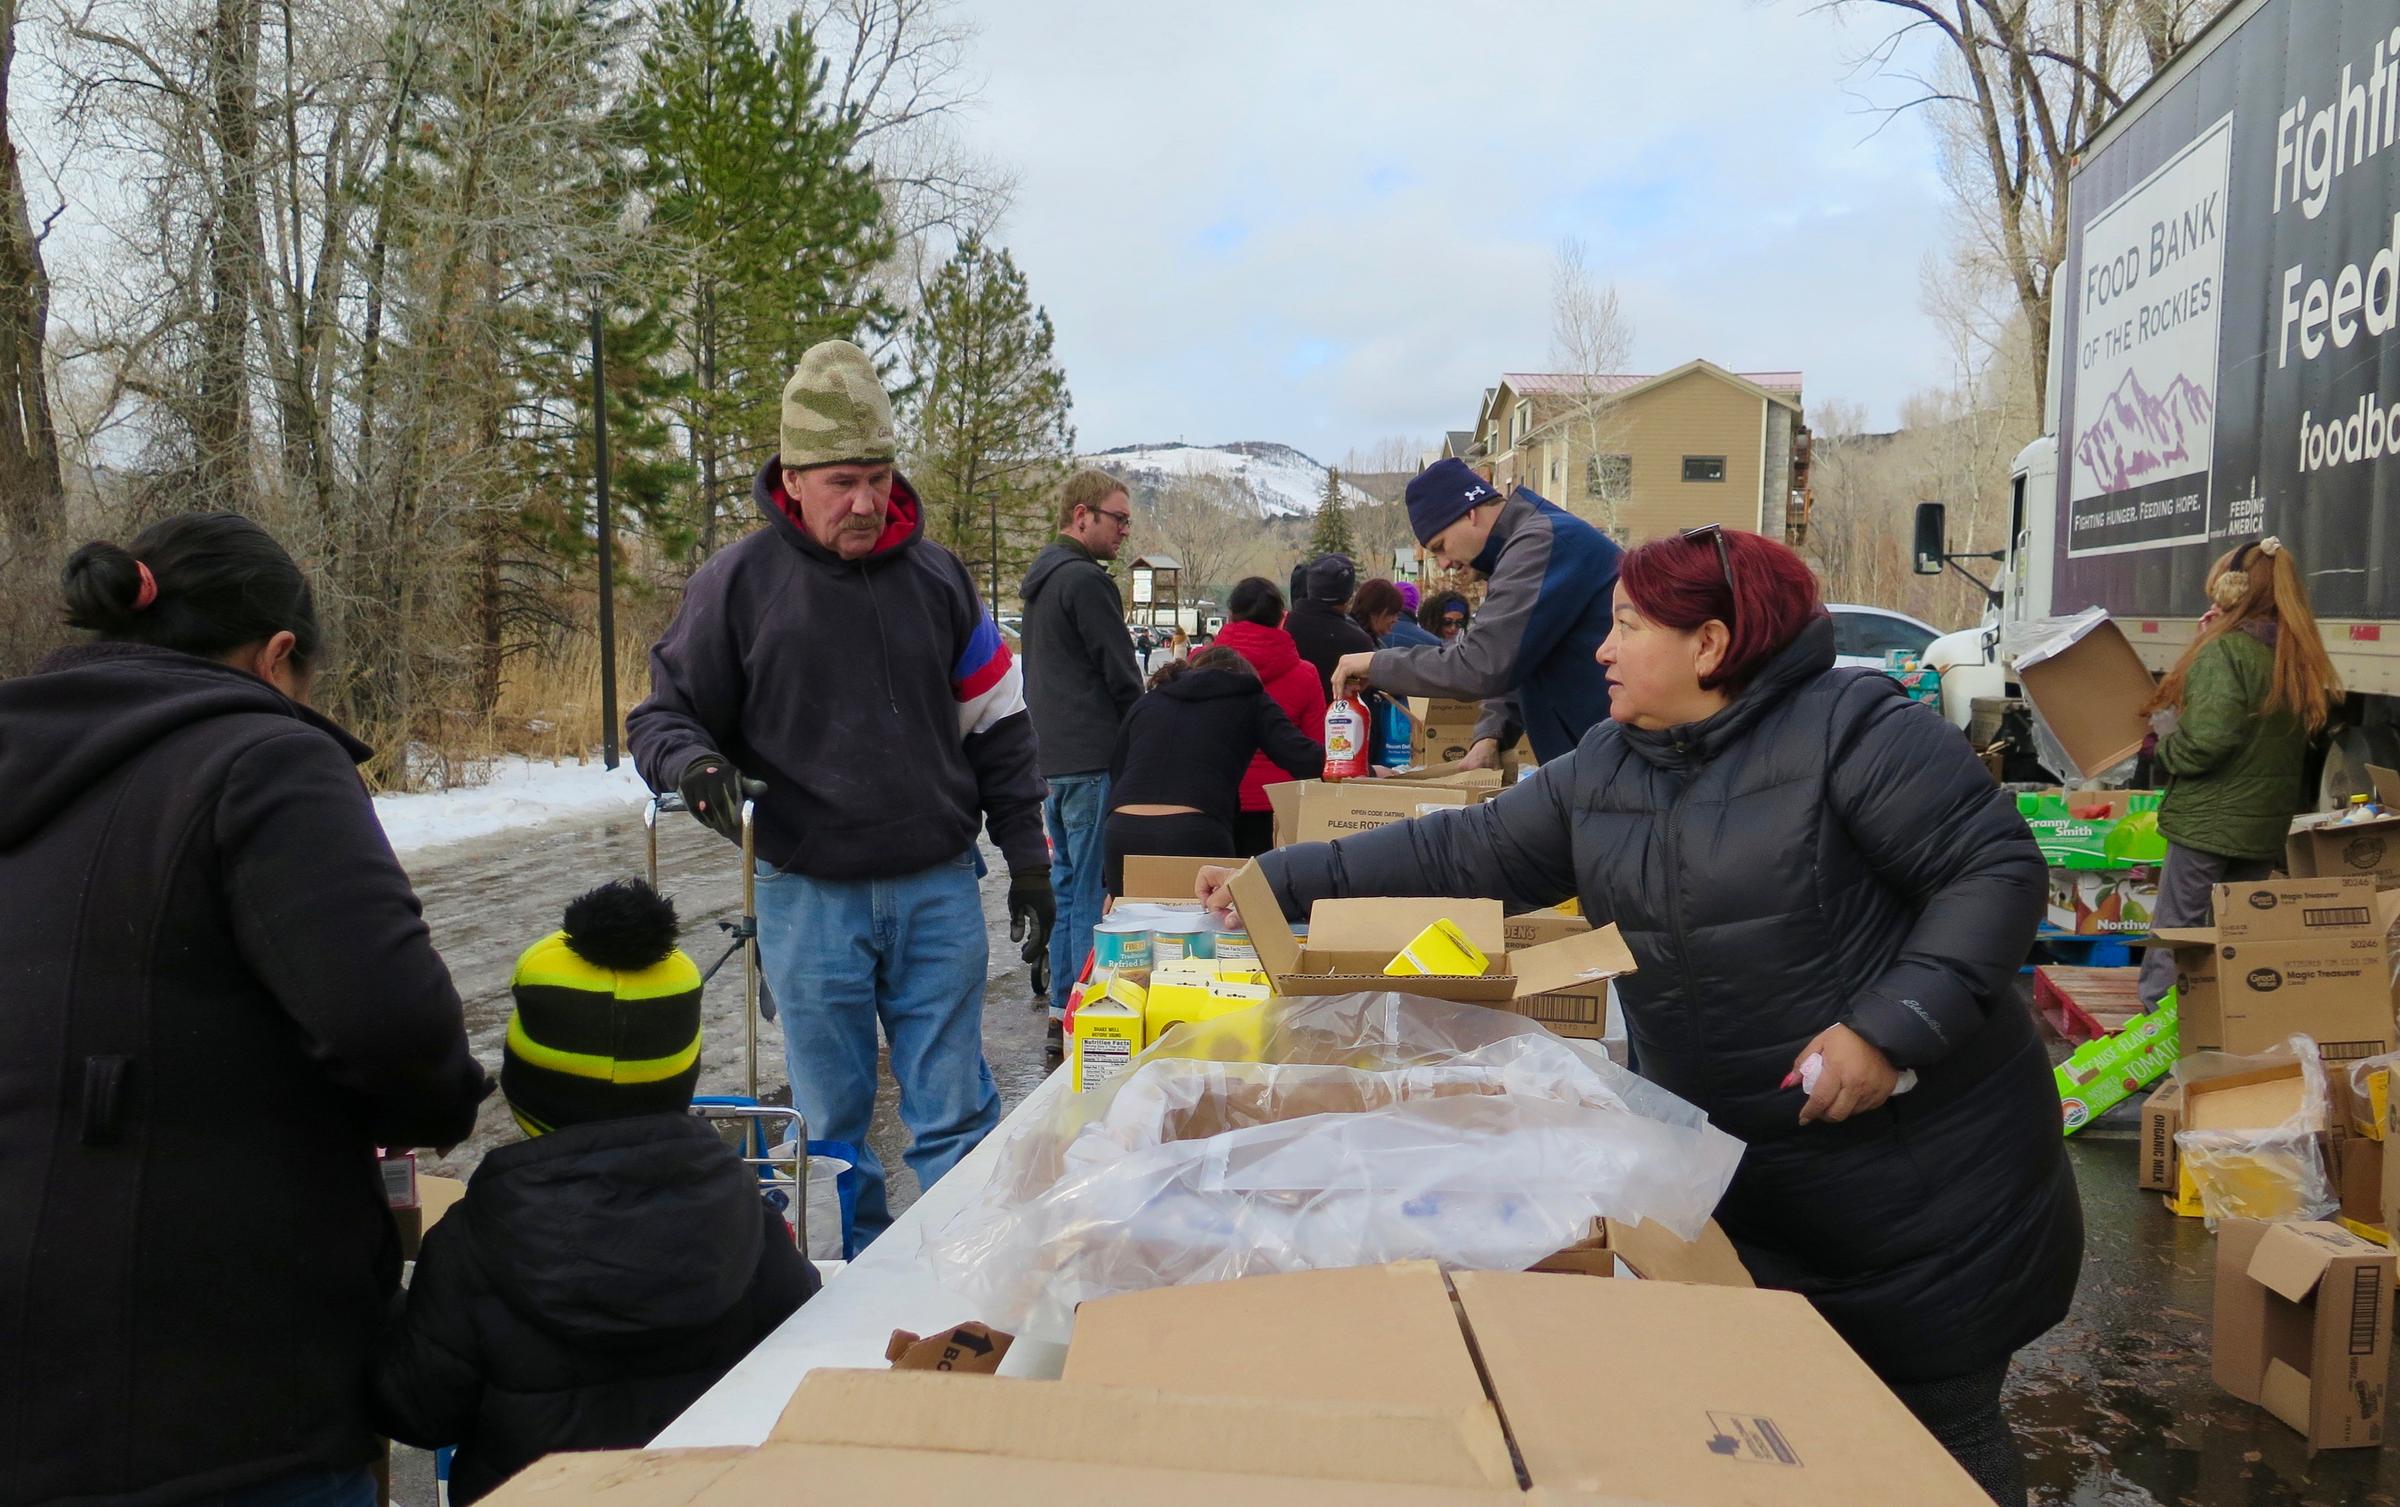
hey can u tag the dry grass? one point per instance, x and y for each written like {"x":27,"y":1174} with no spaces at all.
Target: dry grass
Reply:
{"x":549,"y":705}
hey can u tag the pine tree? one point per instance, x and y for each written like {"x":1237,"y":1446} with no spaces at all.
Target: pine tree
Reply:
{"x":770,"y":229}
{"x":991,"y":436}
{"x":1331,"y":536}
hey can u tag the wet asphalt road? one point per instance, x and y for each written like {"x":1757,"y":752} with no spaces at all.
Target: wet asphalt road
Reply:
{"x":2115,"y":1407}
{"x":489,"y":900}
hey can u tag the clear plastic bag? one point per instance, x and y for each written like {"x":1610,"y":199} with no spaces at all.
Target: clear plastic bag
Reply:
{"x":1371,"y":1128}
{"x":2271,"y":1173}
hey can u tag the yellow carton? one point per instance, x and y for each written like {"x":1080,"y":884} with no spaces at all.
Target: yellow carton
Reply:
{"x":1108,"y":1031}
{"x":1216,"y":1001}
{"x":1440,"y":950}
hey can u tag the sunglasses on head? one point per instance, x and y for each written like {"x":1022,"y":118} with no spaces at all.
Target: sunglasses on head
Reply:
{"x":1716,"y":533}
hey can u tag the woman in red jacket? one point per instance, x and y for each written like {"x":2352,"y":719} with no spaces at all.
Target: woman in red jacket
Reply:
{"x":1254,"y":630}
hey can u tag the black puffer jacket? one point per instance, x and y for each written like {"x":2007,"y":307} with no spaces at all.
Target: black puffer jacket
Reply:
{"x":590,"y":1286}
{"x":1821,"y":851}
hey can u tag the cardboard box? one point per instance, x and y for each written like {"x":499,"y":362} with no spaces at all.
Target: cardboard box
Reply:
{"x":2162,"y":1116}
{"x":2099,"y":1075}
{"x":1739,"y":1396}
{"x":2090,"y":693}
{"x":1651,"y":1252}
{"x":2360,"y":1182}
{"x":1581,"y":1012}
{"x":1444,"y":728}
{"x":1350,"y":941}
{"x":1322,"y":810}
{"x":2256,"y":1164}
{"x":1394,"y":1386}
{"x":2318,"y":848}
{"x":2289,"y":955}
{"x":2303,"y":1327}
{"x":436,"y":1196}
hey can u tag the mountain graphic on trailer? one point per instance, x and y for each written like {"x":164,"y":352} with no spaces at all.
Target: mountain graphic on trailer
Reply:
{"x":2138,"y":436}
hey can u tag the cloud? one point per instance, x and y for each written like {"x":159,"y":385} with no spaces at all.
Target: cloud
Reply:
{"x":1328,"y":223}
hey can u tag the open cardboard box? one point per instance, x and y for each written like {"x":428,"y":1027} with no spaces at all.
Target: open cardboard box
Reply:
{"x":2303,"y":1327}
{"x":1351,"y":941}
{"x":1322,"y":810}
{"x":2248,"y":1107}
{"x":2285,"y":956}
{"x":1390,"y":1385}
{"x":2319,"y":848}
{"x":2090,"y":692}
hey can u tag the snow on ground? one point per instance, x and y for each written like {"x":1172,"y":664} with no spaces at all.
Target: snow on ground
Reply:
{"x":520,"y":792}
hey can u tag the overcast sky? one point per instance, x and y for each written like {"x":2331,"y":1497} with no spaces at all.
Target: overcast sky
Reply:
{"x":1326,"y":223}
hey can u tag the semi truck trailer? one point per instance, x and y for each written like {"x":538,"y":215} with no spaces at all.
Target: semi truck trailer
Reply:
{"x":2224,"y":364}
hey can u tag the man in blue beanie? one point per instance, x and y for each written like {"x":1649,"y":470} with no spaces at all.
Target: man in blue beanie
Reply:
{"x":1528,"y":653}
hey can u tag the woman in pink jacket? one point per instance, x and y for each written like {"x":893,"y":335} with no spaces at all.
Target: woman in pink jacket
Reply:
{"x":1254,"y":630}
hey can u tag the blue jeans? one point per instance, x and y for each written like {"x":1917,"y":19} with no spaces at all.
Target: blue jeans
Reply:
{"x":308,"y":1488}
{"x":908,"y":951}
{"x":1075,"y":809}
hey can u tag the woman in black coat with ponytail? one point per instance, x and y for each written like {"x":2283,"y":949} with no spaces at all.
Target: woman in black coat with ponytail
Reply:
{"x":219,"y":999}
{"x":1828,"y":900}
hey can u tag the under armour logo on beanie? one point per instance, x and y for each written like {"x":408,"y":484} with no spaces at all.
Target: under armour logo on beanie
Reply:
{"x":607,"y":1022}
{"x":1443,"y":493}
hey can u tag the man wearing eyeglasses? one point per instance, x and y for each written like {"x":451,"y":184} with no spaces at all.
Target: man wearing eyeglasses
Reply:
{"x":1080,"y":678}
{"x":1528,"y":653}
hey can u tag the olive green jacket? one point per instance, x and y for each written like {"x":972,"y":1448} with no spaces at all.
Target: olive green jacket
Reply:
{"x":2233,"y":774}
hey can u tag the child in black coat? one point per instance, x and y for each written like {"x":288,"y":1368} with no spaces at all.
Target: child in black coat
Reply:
{"x":602,"y":1274}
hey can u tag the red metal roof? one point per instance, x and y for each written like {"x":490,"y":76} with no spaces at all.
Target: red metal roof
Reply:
{"x":1571,"y":384}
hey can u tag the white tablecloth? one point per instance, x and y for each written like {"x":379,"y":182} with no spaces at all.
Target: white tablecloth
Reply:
{"x":850,"y":1322}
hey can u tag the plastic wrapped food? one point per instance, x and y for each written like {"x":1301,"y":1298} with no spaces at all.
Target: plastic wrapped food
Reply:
{"x":1380,"y":1127}
{"x":2258,"y":1171}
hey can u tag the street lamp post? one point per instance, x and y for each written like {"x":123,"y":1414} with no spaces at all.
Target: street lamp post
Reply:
{"x":608,"y":563}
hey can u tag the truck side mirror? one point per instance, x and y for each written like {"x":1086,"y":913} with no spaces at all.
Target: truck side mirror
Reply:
{"x":1933,"y":537}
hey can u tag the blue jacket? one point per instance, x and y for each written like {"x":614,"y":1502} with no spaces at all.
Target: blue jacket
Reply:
{"x":1532,"y":643}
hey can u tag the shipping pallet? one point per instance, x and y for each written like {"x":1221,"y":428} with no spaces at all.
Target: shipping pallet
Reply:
{"x":2085,"y":1004}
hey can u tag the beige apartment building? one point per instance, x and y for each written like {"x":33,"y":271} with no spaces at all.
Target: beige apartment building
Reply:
{"x":1643,"y":456}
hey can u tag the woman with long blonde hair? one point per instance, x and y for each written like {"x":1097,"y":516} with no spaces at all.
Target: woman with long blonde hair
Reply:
{"x":2234,"y":719}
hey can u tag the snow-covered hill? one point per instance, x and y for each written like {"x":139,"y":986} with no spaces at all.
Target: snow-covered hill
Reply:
{"x":1281,"y":480}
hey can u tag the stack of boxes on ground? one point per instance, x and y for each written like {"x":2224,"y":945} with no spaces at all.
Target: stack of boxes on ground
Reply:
{"x":2277,"y":1046}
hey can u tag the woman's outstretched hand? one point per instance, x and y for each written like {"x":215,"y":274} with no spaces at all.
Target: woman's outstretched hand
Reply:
{"x":1215,"y":892}
{"x":1854,"y":1078}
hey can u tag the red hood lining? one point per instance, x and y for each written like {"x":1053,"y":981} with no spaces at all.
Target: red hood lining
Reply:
{"x":898,"y":523}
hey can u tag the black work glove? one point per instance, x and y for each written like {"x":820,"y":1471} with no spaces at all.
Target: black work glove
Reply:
{"x":1032,"y":911}
{"x":712,"y":791}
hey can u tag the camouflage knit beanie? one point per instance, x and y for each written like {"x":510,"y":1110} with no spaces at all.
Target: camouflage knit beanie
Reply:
{"x":835,"y":409}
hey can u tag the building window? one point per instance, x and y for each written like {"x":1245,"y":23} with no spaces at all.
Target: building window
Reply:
{"x":1558,"y":471}
{"x":1608,"y":475}
{"x":1524,"y":421}
{"x":1704,"y":468}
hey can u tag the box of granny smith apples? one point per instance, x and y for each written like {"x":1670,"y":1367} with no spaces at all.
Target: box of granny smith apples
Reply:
{"x":2104,"y":851}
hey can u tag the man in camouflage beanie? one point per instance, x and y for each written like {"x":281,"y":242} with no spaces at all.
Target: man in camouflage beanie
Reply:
{"x":843,"y":660}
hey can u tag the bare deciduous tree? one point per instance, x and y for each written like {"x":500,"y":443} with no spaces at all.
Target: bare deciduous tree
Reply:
{"x":2020,"y":85}
{"x":1207,"y":523}
{"x":1591,"y":342}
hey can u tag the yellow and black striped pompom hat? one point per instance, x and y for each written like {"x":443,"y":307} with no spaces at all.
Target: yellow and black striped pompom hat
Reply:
{"x":607,"y":1022}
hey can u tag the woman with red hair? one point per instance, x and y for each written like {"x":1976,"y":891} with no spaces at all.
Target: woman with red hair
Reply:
{"x":1828,"y":899}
